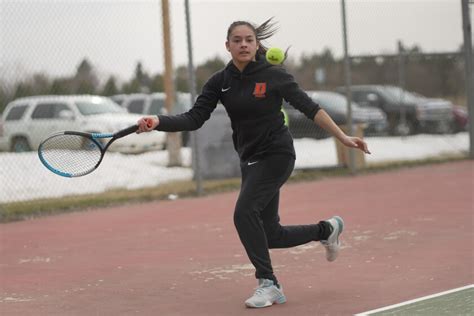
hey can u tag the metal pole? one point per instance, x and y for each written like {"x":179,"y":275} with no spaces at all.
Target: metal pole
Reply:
{"x":402,"y":126}
{"x":347,"y":72}
{"x":192,"y":90}
{"x":467,"y":31}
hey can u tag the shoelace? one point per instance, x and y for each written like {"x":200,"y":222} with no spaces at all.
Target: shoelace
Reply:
{"x":259,"y":291}
{"x":328,"y":244}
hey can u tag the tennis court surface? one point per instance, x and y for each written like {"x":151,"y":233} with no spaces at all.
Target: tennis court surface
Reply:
{"x":458,"y":301}
{"x":408,"y":235}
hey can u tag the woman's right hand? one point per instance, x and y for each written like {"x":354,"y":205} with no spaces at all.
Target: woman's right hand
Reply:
{"x":147,"y":124}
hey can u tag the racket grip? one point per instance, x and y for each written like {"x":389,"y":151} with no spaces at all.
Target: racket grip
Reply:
{"x":126,"y":131}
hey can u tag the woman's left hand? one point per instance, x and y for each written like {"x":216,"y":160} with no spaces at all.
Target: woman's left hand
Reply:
{"x":356,"y":142}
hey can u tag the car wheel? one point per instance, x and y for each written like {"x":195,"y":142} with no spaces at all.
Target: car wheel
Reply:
{"x":20,"y":144}
{"x":445,"y":127}
{"x":409,"y":128}
{"x":393,"y":123}
{"x":454,"y":128}
{"x":412,"y":126}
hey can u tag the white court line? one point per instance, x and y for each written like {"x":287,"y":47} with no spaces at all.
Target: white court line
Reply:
{"x":415,"y":300}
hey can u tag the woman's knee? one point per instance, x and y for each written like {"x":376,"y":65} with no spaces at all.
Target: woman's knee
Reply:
{"x":245,"y":215}
{"x":240,"y":214}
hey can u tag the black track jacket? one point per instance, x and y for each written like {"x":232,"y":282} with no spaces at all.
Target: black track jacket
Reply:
{"x":253,"y":100}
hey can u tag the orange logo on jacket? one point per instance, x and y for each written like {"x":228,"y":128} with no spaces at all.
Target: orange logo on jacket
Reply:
{"x":260,"y":89}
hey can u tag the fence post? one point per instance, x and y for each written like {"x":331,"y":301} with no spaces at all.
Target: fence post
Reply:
{"x":192,"y":90}
{"x":173,"y":139}
{"x":467,"y":31}
{"x":347,"y":72}
{"x":402,"y":126}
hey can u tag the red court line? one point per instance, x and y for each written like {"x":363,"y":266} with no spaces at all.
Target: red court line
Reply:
{"x":409,"y":234}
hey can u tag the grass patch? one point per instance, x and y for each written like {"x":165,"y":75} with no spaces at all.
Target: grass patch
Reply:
{"x":25,"y":210}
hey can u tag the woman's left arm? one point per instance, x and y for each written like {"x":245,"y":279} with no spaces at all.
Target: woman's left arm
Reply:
{"x":292,"y":93}
{"x":325,"y":121}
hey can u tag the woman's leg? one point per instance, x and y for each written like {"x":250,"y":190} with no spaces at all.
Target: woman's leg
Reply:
{"x":261,"y":181}
{"x":291,"y":235}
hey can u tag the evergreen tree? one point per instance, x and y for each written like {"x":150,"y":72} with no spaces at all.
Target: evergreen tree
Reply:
{"x":141,"y":82}
{"x":23,"y":89}
{"x":4,"y":99}
{"x":182,"y":80}
{"x":157,"y":84}
{"x":60,"y":87}
{"x":41,"y":84}
{"x":132,"y":87}
{"x":85,"y":80}
{"x":204,"y":71}
{"x":110,"y":87}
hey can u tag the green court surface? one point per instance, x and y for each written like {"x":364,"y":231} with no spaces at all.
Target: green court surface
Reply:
{"x":457,"y":302}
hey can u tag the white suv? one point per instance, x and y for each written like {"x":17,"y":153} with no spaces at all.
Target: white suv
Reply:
{"x":28,"y":121}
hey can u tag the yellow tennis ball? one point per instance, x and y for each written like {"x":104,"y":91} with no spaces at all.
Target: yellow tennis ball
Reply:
{"x":275,"y":55}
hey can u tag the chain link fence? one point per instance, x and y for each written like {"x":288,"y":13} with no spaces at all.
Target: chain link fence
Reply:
{"x":408,"y":76}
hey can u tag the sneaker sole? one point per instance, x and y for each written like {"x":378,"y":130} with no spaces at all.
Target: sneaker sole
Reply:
{"x":280,"y":300}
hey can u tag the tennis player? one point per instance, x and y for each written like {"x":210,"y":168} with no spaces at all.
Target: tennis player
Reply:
{"x":251,"y":91}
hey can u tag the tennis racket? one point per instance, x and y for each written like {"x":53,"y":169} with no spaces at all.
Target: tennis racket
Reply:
{"x":74,"y":154}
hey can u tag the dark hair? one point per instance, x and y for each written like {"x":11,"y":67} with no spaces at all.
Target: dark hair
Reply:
{"x":266,"y":30}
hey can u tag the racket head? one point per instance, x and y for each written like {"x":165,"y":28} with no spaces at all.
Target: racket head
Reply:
{"x":71,"y":154}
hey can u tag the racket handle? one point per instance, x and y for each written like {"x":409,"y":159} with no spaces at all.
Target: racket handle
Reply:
{"x":126,"y":131}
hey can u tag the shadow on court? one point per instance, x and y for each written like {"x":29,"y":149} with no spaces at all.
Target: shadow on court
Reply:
{"x":408,"y":234}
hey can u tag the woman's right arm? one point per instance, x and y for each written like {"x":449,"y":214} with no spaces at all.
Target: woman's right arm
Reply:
{"x":188,"y":121}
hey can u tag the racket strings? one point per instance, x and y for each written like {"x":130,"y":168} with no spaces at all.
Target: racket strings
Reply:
{"x":74,"y":155}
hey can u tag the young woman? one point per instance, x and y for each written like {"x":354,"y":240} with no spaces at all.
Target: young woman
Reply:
{"x":251,"y":91}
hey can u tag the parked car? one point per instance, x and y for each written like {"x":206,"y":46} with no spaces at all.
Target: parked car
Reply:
{"x":118,"y":98}
{"x":373,"y":120}
{"x":142,"y":103}
{"x":461,"y":119}
{"x":28,"y":121}
{"x":421,"y":114}
{"x":154,"y":104}
{"x":3,"y":138}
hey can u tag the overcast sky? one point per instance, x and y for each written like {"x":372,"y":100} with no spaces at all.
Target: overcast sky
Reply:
{"x":53,"y":36}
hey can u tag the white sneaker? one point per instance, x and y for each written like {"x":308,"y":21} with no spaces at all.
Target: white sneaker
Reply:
{"x":266,"y":294}
{"x":332,"y":244}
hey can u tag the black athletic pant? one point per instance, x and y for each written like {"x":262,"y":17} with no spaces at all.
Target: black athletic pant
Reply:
{"x":256,"y":213}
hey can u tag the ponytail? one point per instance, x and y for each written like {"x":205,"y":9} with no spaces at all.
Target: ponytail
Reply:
{"x":266,"y":30}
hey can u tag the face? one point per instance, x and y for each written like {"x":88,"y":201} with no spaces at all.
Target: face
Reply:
{"x":242,"y":45}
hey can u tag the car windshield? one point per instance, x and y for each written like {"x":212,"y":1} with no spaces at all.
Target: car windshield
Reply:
{"x":96,"y":106}
{"x":157,"y":106}
{"x":333,"y":101}
{"x":396,"y":94}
